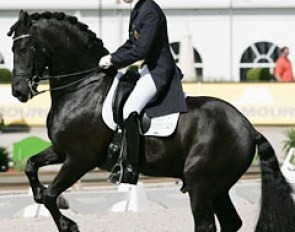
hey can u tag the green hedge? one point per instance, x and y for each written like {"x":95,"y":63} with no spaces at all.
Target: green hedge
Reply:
{"x":24,"y":149}
{"x":259,"y":74}
{"x":5,"y":76}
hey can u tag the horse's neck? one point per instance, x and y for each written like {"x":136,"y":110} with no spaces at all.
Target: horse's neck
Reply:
{"x":72,"y":62}
{"x":66,"y":56}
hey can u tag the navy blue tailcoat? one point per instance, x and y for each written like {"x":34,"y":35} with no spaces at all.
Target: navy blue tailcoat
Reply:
{"x":148,"y":41}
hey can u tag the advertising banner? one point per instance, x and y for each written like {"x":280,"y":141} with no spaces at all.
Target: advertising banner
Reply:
{"x":261,"y":103}
{"x":33,"y":112}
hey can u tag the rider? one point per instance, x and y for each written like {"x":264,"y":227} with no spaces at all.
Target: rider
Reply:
{"x":159,"y":86}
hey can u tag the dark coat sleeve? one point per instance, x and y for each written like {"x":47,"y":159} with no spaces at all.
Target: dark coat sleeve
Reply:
{"x":141,"y":47}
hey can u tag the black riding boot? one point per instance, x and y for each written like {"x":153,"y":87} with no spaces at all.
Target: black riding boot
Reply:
{"x":131,"y":172}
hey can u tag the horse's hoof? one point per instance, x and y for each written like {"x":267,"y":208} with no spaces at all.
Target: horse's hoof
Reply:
{"x":62,"y":203}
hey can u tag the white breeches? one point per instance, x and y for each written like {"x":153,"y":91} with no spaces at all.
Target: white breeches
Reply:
{"x":144,"y":91}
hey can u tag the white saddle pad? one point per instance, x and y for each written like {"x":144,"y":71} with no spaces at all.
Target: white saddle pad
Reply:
{"x":160,"y":126}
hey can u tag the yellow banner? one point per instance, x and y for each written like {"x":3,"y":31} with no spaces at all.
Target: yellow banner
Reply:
{"x":34,"y":112}
{"x":261,"y":103}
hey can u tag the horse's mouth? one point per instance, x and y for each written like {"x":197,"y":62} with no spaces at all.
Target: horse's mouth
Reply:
{"x":26,"y":98}
{"x":23,"y":98}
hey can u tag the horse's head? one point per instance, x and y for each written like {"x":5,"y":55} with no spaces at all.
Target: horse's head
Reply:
{"x":54,"y":41}
{"x":23,"y":57}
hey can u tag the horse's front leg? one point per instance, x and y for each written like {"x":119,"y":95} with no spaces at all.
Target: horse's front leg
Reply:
{"x":44,"y":158}
{"x":71,"y":171}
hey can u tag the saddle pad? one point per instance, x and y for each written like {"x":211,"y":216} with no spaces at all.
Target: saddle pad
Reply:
{"x":163,"y":126}
{"x":160,"y":126}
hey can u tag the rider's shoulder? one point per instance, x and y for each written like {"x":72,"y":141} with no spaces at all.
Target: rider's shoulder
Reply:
{"x":152,"y":7}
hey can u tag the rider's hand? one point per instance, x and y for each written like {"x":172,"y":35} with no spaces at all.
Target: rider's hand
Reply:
{"x":105,"y":62}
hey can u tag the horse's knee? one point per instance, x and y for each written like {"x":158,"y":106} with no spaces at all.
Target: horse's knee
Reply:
{"x":31,"y":169}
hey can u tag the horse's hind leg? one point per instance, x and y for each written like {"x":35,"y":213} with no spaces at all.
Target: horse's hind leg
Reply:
{"x":202,"y":208}
{"x":71,"y":171}
{"x":226,"y":213}
{"x":46,"y":157}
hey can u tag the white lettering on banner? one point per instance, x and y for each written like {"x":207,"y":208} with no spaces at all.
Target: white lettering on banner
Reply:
{"x":15,"y":112}
{"x":265,"y":111}
{"x":255,"y":95}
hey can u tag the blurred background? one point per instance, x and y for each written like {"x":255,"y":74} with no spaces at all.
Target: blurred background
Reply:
{"x":226,"y":48}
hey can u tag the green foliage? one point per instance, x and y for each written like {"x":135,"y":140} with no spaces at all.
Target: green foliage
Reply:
{"x":259,"y":74}
{"x":26,"y":148}
{"x":290,"y":142}
{"x":5,"y":76}
{"x":4,"y":159}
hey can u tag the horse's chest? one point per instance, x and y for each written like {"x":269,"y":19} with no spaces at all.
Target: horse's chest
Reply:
{"x":72,"y":122}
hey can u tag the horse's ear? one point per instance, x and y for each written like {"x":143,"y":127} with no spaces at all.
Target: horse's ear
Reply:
{"x":24,"y":17}
{"x":21,"y":13}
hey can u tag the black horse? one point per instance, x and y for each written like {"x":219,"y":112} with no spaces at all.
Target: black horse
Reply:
{"x":210,"y":150}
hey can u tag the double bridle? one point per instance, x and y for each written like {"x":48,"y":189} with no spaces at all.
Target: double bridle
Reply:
{"x":33,"y":81}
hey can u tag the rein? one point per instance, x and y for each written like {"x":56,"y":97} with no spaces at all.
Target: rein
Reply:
{"x":60,"y":77}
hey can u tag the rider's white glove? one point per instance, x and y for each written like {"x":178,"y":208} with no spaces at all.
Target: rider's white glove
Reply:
{"x":105,"y":62}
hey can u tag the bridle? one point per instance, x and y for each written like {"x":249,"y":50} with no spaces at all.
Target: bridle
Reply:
{"x":33,"y":81}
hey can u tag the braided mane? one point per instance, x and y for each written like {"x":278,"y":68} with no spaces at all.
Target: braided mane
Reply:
{"x":86,"y":35}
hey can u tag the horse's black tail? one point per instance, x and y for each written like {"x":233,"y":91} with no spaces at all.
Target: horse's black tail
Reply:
{"x":277,"y":205}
